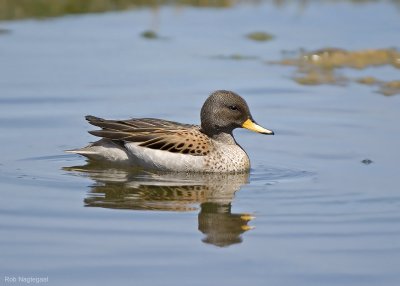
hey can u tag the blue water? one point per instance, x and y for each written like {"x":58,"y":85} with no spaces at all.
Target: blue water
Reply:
{"x":309,"y":213}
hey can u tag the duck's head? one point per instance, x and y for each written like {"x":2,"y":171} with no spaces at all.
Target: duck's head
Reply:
{"x":224,"y":111}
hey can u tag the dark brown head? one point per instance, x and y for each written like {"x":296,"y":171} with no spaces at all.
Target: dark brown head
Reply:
{"x":224,"y":111}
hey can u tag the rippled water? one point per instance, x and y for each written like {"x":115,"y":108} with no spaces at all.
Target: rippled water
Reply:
{"x":321,"y":205}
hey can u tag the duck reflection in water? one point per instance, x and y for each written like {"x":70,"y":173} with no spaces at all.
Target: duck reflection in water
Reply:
{"x":118,"y":188}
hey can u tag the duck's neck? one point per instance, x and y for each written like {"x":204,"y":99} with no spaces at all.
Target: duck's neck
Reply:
{"x":226,"y":138}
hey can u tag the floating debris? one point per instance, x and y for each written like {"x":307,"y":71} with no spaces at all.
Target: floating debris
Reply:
{"x":260,"y":36}
{"x":367,"y":161}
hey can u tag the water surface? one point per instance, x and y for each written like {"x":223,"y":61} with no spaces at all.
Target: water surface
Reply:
{"x":320,"y":206}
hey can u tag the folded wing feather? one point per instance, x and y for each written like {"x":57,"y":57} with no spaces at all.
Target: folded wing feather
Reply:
{"x":155,"y":134}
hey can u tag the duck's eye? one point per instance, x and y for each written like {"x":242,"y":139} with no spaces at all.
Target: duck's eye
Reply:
{"x":233,"y":107}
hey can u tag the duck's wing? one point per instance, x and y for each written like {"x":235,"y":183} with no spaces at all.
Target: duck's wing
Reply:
{"x":155,"y":134}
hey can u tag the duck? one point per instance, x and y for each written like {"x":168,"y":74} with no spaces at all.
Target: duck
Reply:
{"x":163,"y":145}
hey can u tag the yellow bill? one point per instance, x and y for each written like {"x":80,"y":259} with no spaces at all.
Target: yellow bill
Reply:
{"x":251,"y":125}
{"x":247,"y":227}
{"x":247,"y":217}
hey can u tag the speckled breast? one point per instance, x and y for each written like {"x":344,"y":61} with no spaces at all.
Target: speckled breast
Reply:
{"x":227,"y":158}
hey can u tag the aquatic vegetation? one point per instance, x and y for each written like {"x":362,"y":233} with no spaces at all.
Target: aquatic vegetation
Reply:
{"x":21,"y":9}
{"x":314,"y":77}
{"x":260,"y":36}
{"x":390,"y":87}
{"x":333,"y":58}
{"x":236,"y":57}
{"x":384,"y":87}
{"x":369,"y":80}
{"x":322,"y":67}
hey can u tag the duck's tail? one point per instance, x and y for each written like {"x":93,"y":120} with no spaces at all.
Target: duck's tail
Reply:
{"x":103,"y":150}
